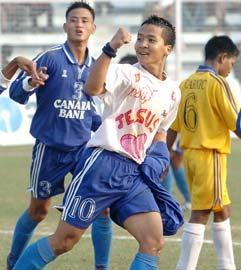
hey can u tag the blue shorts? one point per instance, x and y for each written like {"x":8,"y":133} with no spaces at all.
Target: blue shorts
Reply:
{"x":106,"y":179}
{"x":49,"y":168}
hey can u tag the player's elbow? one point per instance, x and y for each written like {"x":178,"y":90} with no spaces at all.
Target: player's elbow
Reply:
{"x":90,"y":91}
{"x":238,"y":133}
{"x":13,"y":94}
{"x":17,"y":97}
{"x":93,"y":90}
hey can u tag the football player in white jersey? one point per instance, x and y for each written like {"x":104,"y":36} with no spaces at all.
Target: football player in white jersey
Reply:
{"x":140,"y":104}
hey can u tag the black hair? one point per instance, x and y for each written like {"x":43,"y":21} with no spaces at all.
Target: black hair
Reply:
{"x":169,"y":32}
{"x":128,"y":59}
{"x":220,"y":44}
{"x":80,"y":4}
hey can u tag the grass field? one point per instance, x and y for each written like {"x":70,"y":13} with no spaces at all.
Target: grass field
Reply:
{"x":14,"y":175}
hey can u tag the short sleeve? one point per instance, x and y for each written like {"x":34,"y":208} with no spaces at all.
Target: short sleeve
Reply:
{"x":172,"y":113}
{"x":117,"y":83}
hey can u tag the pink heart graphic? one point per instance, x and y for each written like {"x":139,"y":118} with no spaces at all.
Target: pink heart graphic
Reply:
{"x":134,"y":145}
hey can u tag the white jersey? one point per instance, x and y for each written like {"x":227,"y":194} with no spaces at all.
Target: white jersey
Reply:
{"x":137,"y":105}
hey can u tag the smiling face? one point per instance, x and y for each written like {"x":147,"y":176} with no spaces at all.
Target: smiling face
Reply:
{"x":79,"y":25}
{"x":150,"y":46}
{"x":226,"y":64}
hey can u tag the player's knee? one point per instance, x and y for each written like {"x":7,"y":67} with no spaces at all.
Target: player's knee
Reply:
{"x":38,"y":213}
{"x":199,"y":216}
{"x":63,"y":244}
{"x":105,"y":212}
{"x":152,"y":245}
{"x":222,"y":215}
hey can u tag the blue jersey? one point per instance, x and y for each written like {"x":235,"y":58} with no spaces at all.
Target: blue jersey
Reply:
{"x":65,"y":115}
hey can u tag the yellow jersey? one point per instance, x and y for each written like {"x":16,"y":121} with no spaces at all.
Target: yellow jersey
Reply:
{"x":207,"y":112}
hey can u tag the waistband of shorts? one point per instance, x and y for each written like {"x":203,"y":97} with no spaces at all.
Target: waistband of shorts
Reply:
{"x":63,"y":149}
{"x":119,"y":156}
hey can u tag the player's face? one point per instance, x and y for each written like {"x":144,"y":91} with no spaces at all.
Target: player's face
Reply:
{"x":150,"y":47}
{"x":226,"y":65}
{"x":79,"y":25}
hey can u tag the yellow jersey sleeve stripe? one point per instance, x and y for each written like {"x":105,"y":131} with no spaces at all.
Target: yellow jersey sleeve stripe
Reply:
{"x":230,"y":94}
{"x":227,"y":90}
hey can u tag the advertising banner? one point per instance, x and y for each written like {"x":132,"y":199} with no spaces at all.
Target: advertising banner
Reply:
{"x":15,"y":120}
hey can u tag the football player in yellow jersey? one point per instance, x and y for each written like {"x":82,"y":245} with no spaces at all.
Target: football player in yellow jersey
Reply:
{"x":207,"y":113}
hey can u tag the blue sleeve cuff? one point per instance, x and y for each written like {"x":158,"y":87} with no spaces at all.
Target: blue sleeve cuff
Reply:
{"x":158,"y":149}
{"x":96,"y":122}
{"x":238,"y":123}
{"x":156,"y":161}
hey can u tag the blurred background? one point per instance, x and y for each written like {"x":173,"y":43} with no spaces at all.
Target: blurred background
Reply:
{"x":30,"y":26}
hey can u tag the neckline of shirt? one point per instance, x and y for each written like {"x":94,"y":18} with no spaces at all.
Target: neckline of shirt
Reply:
{"x":205,"y":68}
{"x":139,"y":66}
{"x":70,"y":56}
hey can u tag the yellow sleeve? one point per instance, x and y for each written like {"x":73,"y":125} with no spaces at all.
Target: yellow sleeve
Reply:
{"x":226,"y":104}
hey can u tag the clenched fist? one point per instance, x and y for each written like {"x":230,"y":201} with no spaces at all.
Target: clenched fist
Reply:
{"x":121,"y":37}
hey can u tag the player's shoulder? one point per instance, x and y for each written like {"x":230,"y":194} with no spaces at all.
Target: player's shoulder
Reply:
{"x":188,"y":78}
{"x":51,"y":53}
{"x":219,"y":81}
{"x":127,"y":66}
{"x":172,"y":84}
{"x":122,"y":69}
{"x":171,"y":81}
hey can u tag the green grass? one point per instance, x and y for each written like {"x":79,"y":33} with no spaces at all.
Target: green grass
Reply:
{"x":14,"y":175}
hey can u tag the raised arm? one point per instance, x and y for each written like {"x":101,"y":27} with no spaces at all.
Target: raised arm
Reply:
{"x":11,"y":68}
{"x":95,"y":84}
{"x":19,"y":62}
{"x":24,"y":86}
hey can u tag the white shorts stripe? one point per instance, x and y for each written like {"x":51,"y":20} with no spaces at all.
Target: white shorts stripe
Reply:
{"x":78,"y":179}
{"x":71,"y":187}
{"x":36,"y":168}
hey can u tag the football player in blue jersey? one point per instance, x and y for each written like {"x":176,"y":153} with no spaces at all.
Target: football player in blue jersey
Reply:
{"x":62,"y":125}
{"x":11,"y":68}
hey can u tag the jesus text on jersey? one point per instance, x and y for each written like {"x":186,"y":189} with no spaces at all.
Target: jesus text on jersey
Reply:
{"x":142,"y":116}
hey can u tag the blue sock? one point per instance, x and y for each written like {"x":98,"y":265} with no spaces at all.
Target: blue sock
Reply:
{"x":181,"y":183}
{"x":22,"y":234}
{"x":144,"y":261}
{"x":36,"y":256}
{"x":167,"y":182}
{"x":101,"y":238}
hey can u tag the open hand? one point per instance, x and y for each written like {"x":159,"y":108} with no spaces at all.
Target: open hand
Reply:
{"x":39,"y":78}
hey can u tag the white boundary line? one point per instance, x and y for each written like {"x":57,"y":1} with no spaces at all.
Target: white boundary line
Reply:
{"x":118,"y":237}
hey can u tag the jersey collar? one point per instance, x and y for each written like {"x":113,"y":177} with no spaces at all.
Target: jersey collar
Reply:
{"x":204,"y":68}
{"x":139,"y":66}
{"x":70,"y":56}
